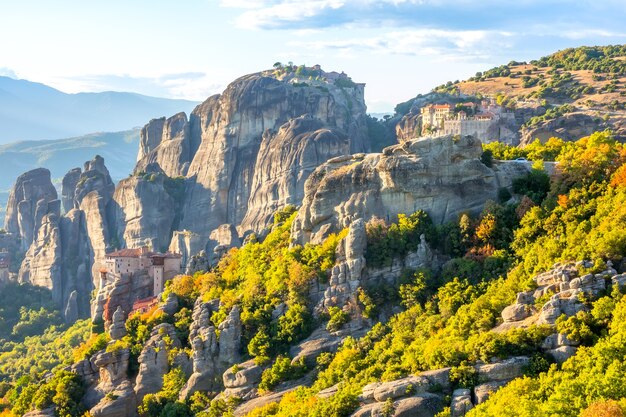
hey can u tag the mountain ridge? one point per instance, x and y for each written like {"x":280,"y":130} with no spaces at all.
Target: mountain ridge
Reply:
{"x":35,"y":111}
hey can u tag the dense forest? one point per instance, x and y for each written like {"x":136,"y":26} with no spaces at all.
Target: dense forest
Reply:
{"x":570,"y":207}
{"x":446,"y":316}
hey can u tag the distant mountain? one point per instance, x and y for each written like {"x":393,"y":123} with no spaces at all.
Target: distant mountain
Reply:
{"x":34,"y":111}
{"x":119,"y":150}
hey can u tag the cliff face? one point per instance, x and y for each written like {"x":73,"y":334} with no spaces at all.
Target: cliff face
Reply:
{"x":168,"y":143}
{"x":28,"y":204}
{"x":443,"y":176}
{"x":144,"y":210}
{"x":247,"y":152}
{"x":63,"y":250}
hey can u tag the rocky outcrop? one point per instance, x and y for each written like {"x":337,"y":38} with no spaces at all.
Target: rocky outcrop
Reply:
{"x":409,"y":127}
{"x":120,"y":291}
{"x":284,"y":161}
{"x":113,"y":396}
{"x":559,"y":347}
{"x":70,"y":314}
{"x":230,"y":339}
{"x":220,"y":241}
{"x":423,"y":405}
{"x":95,"y":178}
{"x":569,"y":127}
{"x":409,"y":393}
{"x":263,"y":136}
{"x":443,"y":176}
{"x":68,"y":188}
{"x":167,"y":142}
{"x":211,"y":356}
{"x":345,"y":277}
{"x":563,"y":285}
{"x":117,"y":330}
{"x":145,"y":210}
{"x":48,"y":412}
{"x":241,"y":380}
{"x":461,"y":402}
{"x":58,"y":259}
{"x":42,"y":263}
{"x":32,"y":197}
{"x":153,"y":360}
{"x":318,"y":342}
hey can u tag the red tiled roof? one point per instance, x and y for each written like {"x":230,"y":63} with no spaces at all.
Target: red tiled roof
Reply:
{"x":143,"y":304}
{"x":125,"y":253}
{"x":136,"y":253}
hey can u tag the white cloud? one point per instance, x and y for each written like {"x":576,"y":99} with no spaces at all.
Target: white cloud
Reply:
{"x":8,"y":72}
{"x":445,"y":44}
{"x":195,"y":86}
{"x":277,"y":14}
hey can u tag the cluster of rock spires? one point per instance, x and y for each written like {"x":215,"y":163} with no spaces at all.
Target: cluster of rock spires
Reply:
{"x":201,"y":185}
{"x":60,"y":248}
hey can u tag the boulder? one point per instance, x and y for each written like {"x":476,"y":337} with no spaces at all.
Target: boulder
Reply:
{"x":461,"y":402}
{"x":562,"y":353}
{"x":242,"y":375}
{"x":503,"y":371}
{"x":153,"y":365}
{"x":517,"y":312}
{"x":439,"y":379}
{"x":483,"y":391}
{"x":318,"y":342}
{"x":117,"y":330}
{"x":400,"y":388}
{"x":423,"y":405}
{"x":120,"y":402}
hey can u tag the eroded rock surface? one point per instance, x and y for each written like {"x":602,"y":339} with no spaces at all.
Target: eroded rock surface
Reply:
{"x":443,"y":176}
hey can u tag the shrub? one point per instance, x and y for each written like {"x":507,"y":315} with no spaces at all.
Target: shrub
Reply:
{"x":338,"y":318}
{"x":281,"y":370}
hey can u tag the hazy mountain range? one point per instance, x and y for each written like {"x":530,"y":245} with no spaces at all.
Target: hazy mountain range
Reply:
{"x":34,"y":111}
{"x":119,"y":149}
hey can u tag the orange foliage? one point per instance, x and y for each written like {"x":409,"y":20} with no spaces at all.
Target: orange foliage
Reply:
{"x":619,"y":177}
{"x":563,"y":200}
{"x":523,"y":207}
{"x":610,"y":408}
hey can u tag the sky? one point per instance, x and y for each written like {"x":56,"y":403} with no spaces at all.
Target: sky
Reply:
{"x":193,"y":48}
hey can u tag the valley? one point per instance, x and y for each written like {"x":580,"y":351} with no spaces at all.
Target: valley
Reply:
{"x":279,"y":252}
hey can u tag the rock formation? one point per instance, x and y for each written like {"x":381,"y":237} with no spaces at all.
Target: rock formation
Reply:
{"x":569,"y":127}
{"x":168,"y":143}
{"x":114,"y":394}
{"x":264,"y":135}
{"x":153,"y":360}
{"x":146,"y":209}
{"x":61,"y":250}
{"x":211,"y":356}
{"x":32,"y":197}
{"x":117,"y":330}
{"x":68,"y":190}
{"x":443,"y":176}
{"x":345,"y":278}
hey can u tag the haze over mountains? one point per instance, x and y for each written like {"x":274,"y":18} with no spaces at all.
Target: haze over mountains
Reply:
{"x":34,"y":111}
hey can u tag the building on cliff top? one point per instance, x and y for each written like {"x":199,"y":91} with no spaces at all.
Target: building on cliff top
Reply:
{"x":159,"y":266}
{"x":442,"y":120}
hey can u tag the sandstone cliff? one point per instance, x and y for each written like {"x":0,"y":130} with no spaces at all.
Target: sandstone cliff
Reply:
{"x":443,"y":176}
{"x":28,"y":204}
{"x":247,"y":152}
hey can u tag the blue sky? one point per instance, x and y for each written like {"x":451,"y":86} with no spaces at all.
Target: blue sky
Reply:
{"x":193,"y":48}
